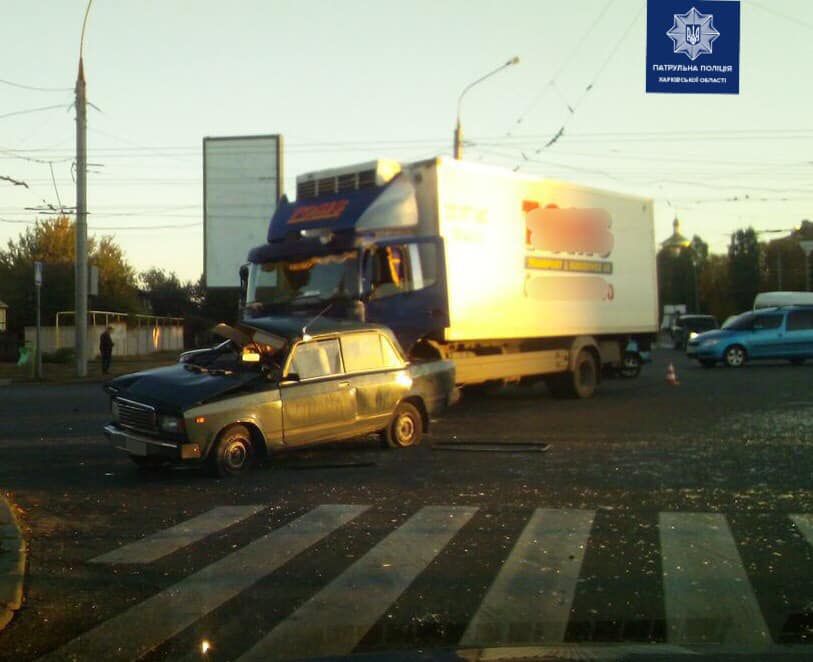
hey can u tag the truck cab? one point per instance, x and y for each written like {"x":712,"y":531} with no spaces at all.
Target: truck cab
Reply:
{"x":352,"y":246}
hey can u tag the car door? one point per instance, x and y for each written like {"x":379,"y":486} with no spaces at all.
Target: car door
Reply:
{"x":319,"y":403}
{"x":377,"y":373}
{"x":767,"y":336}
{"x":799,"y":334}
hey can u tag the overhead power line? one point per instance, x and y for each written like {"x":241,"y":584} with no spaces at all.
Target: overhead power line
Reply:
{"x":35,"y":88}
{"x":551,"y":84}
{"x":29,"y":111}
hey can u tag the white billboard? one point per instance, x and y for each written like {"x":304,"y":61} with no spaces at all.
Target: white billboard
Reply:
{"x":242,"y":183}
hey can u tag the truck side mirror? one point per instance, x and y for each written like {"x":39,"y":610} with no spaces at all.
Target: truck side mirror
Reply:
{"x":243,"y":284}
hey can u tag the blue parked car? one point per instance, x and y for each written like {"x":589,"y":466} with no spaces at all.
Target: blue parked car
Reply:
{"x":769,"y":333}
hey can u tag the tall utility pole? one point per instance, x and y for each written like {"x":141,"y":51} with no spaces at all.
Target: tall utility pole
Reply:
{"x":458,"y":132}
{"x":80,"y":324}
{"x":807,"y":247}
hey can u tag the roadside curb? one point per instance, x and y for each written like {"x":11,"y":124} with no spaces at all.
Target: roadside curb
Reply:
{"x":13,"y":555}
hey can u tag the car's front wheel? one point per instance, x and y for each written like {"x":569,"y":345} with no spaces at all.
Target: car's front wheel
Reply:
{"x":735,"y":356}
{"x":233,"y":453}
{"x":405,"y":428}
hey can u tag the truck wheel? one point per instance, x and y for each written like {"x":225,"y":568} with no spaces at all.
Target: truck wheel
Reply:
{"x":405,"y":428}
{"x":581,"y":383}
{"x":233,"y":452}
{"x":735,"y":356}
{"x":630,"y":365}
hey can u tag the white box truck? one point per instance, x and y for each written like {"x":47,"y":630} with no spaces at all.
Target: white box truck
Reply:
{"x":511,"y":277}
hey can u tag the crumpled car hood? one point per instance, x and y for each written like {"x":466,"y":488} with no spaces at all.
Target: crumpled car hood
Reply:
{"x":177,"y":387}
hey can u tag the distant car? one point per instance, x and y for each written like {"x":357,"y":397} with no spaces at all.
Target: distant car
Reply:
{"x":275,"y":385}
{"x":686,"y":326}
{"x":769,"y":333}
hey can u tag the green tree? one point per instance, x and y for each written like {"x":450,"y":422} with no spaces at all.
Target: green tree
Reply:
{"x":52,"y":242}
{"x":167,"y":295}
{"x":745,"y":266}
{"x":713,"y":287}
{"x":678,"y":274}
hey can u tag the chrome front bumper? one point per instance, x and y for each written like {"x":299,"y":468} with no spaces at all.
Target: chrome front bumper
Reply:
{"x":143,"y":446}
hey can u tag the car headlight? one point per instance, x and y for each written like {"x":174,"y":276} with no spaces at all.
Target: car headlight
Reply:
{"x":114,"y":410}
{"x":709,"y":343}
{"x":693,"y":335}
{"x":170,"y":424}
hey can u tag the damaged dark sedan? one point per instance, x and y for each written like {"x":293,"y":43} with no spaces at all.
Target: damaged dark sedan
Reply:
{"x":272,"y":385}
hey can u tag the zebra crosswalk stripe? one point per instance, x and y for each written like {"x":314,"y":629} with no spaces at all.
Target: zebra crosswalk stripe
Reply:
{"x":805,"y":525}
{"x":160,"y":544}
{"x":536,"y":584}
{"x":706,"y":589}
{"x":148,"y":624}
{"x":334,"y":620}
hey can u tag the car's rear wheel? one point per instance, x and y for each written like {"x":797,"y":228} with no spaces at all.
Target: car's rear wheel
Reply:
{"x":707,"y":363}
{"x":735,"y":356}
{"x":405,"y":428}
{"x":233,"y":453}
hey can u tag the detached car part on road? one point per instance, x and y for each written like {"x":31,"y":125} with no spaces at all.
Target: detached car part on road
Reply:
{"x":275,"y":385}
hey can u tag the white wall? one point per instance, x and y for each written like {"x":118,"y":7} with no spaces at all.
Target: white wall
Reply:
{"x":127,"y":342}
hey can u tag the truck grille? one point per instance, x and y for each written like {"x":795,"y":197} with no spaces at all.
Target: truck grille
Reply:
{"x":137,"y":416}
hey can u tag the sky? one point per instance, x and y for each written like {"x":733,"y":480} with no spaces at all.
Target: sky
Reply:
{"x":354,"y":80}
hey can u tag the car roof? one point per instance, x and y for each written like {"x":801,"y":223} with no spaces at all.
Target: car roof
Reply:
{"x":697,"y":317}
{"x":290,"y":327}
{"x":781,"y":309}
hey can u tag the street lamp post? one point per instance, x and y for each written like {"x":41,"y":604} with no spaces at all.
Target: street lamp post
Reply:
{"x":80,"y":322}
{"x":458,"y":132}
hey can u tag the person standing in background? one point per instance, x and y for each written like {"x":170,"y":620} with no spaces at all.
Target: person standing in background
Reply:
{"x":106,"y":349}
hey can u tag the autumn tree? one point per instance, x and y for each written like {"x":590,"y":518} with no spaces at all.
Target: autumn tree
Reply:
{"x":53,"y":242}
{"x":167,"y":295}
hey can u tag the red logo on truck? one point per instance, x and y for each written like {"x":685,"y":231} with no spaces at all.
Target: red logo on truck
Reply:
{"x":319,"y":212}
{"x":572,"y":230}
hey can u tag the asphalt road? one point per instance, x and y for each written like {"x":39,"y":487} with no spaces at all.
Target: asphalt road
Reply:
{"x":660,"y":514}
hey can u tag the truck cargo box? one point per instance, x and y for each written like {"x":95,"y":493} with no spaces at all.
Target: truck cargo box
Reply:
{"x":530,"y":258}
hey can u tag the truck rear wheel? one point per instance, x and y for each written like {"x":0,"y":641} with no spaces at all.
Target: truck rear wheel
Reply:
{"x":581,"y":382}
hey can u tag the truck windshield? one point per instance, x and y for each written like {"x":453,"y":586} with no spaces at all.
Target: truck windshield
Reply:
{"x":322,"y":278}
